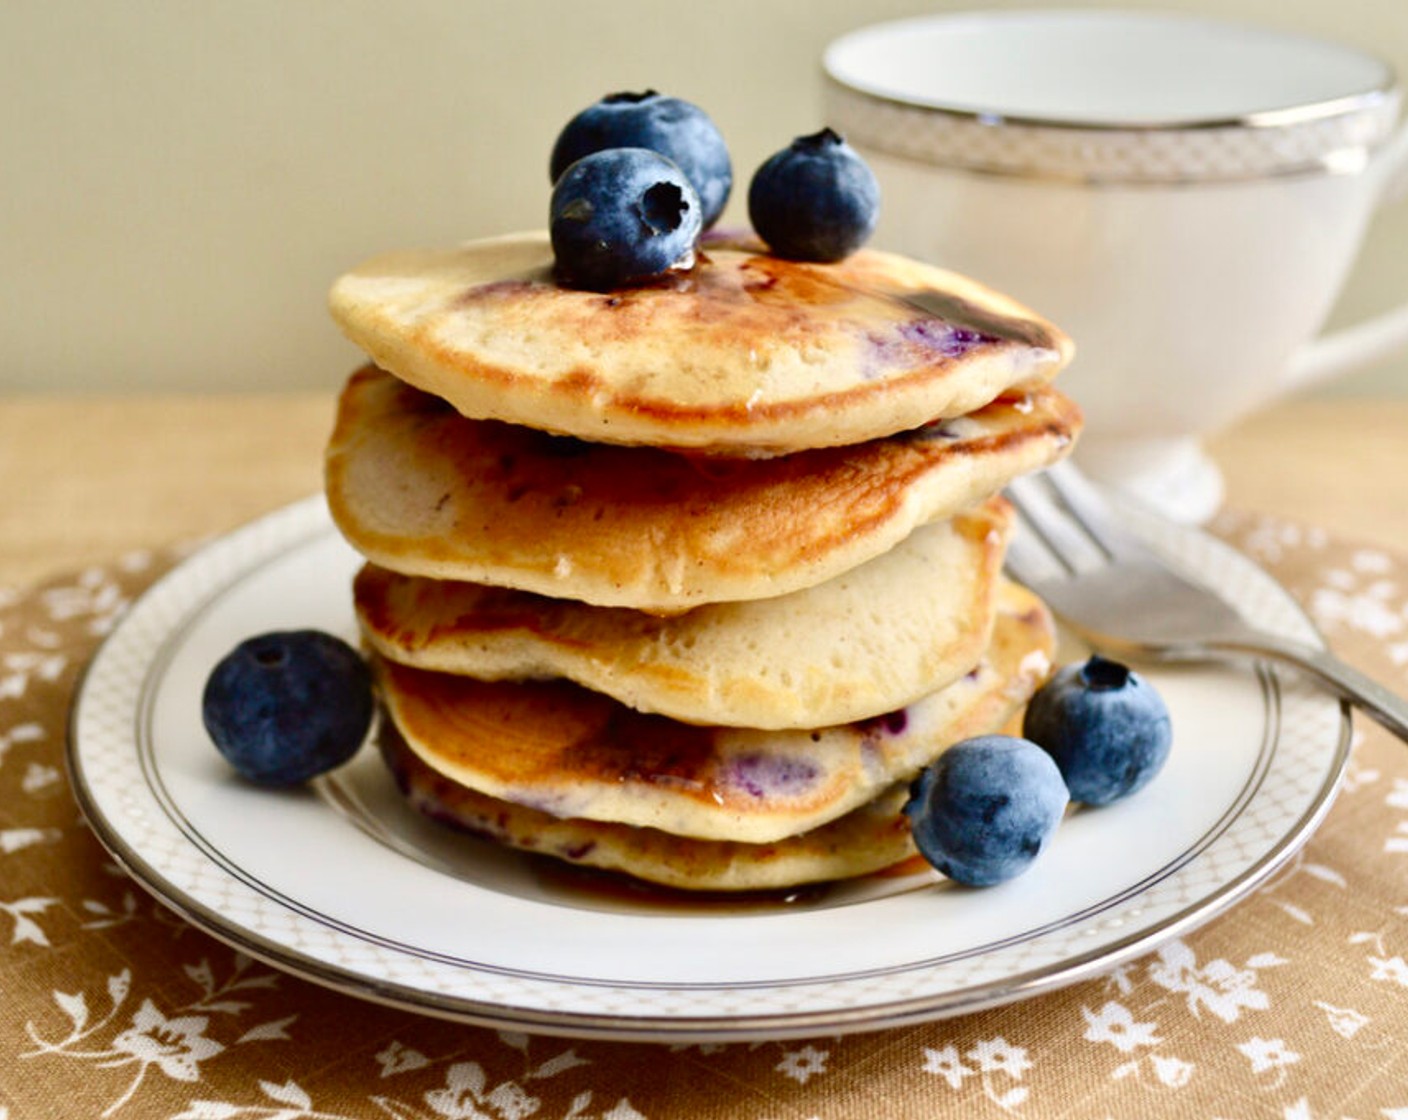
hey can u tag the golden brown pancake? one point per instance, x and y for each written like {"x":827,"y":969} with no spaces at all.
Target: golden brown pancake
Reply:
{"x":870,"y":838}
{"x":744,"y":353}
{"x":569,"y":752}
{"x":419,"y":489}
{"x":868,"y":641}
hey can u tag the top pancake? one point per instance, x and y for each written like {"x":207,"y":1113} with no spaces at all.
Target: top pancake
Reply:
{"x":744,"y":353}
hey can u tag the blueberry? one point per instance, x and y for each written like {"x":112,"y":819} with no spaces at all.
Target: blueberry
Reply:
{"x":815,"y":200}
{"x":986,"y":808}
{"x":620,"y":216}
{"x":1107,"y":728}
{"x":286,"y":706}
{"x":676,"y":129}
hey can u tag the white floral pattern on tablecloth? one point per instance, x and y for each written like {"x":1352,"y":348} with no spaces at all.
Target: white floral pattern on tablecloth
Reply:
{"x":1294,"y":1006}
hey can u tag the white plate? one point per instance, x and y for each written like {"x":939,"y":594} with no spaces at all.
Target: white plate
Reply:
{"x":342,"y":884}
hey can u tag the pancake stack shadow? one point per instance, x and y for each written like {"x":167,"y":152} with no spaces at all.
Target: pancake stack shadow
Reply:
{"x":688,"y":581}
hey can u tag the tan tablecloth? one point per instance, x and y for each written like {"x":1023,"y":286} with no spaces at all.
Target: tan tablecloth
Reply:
{"x":1294,"y":1005}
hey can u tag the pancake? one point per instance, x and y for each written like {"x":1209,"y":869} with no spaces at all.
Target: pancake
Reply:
{"x":418,"y":489}
{"x":868,"y":839}
{"x":744,"y":353}
{"x":869,"y":641}
{"x":569,"y":752}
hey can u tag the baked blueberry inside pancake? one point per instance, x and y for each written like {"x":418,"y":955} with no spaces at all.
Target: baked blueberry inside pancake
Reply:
{"x":867,"y":839}
{"x":570,"y":752}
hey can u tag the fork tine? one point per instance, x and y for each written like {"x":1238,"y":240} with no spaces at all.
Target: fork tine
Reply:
{"x":1140,"y":603}
{"x":1027,"y":559}
{"x":1089,"y":507}
{"x":1061,"y":534}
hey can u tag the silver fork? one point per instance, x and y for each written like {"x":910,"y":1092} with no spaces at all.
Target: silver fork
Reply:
{"x":1125,"y":600}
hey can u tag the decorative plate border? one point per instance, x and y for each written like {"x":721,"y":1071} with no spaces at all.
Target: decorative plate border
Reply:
{"x":115,"y":769}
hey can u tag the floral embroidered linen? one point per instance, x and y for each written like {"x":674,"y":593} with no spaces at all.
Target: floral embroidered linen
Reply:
{"x":1294,"y":1004}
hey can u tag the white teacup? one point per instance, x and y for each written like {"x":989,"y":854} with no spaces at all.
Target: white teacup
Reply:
{"x":1183,"y":196}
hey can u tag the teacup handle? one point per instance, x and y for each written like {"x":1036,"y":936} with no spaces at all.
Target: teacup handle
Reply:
{"x":1358,"y":345}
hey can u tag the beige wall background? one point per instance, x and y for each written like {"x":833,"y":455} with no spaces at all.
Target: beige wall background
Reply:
{"x":182,"y":180}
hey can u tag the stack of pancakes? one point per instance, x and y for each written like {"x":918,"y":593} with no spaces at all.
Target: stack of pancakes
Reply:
{"x":689,"y":580}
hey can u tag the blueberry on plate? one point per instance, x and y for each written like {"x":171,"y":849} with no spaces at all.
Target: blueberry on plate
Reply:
{"x":678,"y":130}
{"x":816,"y":200}
{"x":622,"y":215}
{"x":1107,"y":728}
{"x":986,"y":808}
{"x":286,"y":706}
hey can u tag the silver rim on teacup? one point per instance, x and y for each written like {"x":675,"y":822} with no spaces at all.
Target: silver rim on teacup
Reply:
{"x":1327,"y":134}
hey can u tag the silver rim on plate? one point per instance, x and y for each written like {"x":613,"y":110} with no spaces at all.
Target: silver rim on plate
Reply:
{"x":155,"y":806}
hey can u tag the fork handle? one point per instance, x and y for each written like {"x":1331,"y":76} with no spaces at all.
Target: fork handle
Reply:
{"x":1376,"y":701}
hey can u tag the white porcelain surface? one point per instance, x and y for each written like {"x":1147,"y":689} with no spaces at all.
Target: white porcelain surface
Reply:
{"x":1190,"y":233}
{"x":1115,"y":68}
{"x":342,"y":884}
